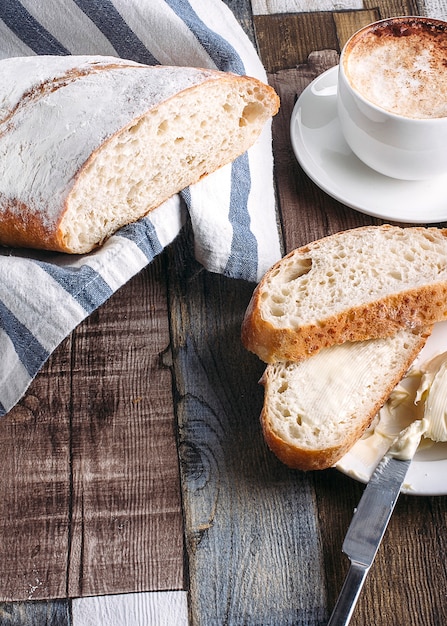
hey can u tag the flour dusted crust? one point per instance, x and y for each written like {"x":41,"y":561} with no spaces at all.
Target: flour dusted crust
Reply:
{"x":313,"y":414}
{"x":88,"y":144}
{"x":355,"y":285}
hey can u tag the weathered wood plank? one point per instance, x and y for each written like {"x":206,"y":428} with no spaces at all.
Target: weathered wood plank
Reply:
{"x":52,"y":613}
{"x":126,"y":523}
{"x":89,"y":465}
{"x":400,"y":588}
{"x":347,"y":23}
{"x":404,"y":582}
{"x":34,"y":489}
{"x":226,"y":479}
{"x":434,"y":8}
{"x":386,"y":8}
{"x":391,"y":8}
{"x":285,"y":41}
{"x":251,"y":524}
{"x":271,"y":7}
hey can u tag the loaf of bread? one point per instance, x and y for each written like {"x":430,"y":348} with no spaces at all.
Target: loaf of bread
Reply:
{"x":316,"y":410}
{"x":355,"y":285}
{"x":89,"y":144}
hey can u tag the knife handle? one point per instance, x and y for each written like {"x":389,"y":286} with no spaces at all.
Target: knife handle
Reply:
{"x":349,"y":594}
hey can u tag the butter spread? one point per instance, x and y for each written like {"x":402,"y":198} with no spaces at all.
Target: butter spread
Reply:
{"x":413,"y":418}
{"x":332,"y":378}
{"x":430,"y":404}
{"x":434,"y":386}
{"x":406,"y":444}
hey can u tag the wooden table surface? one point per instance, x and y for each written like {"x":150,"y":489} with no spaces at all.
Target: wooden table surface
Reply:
{"x":135,"y":485}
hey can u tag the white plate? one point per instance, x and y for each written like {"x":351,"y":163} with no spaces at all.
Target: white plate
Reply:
{"x":324,"y":155}
{"x":428,"y":472}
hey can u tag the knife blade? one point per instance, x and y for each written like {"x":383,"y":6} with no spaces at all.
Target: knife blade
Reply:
{"x":366,"y":531}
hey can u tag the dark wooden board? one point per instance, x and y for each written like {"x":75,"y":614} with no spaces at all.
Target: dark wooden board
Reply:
{"x":285,"y":40}
{"x":90,"y":496}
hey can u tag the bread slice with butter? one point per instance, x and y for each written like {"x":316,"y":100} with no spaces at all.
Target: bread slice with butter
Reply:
{"x":355,"y":285}
{"x":316,"y":409}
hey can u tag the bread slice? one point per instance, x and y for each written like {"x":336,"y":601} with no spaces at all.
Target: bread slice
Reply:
{"x":355,"y":285}
{"x":316,"y":410}
{"x":89,"y":144}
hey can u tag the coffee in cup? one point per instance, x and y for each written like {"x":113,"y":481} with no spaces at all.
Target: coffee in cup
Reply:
{"x":392,"y":96}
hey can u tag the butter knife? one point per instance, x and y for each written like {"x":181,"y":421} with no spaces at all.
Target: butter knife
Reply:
{"x":366,"y":530}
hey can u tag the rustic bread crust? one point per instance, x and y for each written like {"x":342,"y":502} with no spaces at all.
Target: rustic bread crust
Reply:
{"x":411,"y":309}
{"x":60,"y":115}
{"x":301,"y":458}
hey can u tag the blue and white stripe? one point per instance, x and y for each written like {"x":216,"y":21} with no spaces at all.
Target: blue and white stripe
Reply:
{"x":43,"y":297}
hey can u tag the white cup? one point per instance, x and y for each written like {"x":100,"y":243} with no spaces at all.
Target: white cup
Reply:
{"x":392,"y":96}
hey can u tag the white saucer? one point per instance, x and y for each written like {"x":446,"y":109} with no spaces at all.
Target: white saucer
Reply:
{"x":427,"y":475}
{"x":323,"y":154}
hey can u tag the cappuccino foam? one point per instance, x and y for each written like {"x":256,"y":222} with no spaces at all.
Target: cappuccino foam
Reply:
{"x":401,"y":67}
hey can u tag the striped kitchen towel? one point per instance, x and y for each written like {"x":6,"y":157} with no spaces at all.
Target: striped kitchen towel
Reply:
{"x":44,"y":296}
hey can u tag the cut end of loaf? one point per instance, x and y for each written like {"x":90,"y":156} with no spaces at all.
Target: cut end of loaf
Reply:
{"x":171,"y":147}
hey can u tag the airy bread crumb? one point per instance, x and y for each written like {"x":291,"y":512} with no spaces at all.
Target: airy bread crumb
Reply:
{"x":90,"y":144}
{"x":171,"y":147}
{"x":355,"y":285}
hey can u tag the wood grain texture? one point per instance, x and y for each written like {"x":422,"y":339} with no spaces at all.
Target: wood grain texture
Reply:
{"x":35,"y":489}
{"x":407,"y":582}
{"x":51,"y":613}
{"x":250,"y":522}
{"x":126,"y":526}
{"x":90,"y":496}
{"x":270,"y":7}
{"x":349,"y":22}
{"x":248,"y":564}
{"x":434,"y":8}
{"x":285,"y":41}
{"x":391,"y":8}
